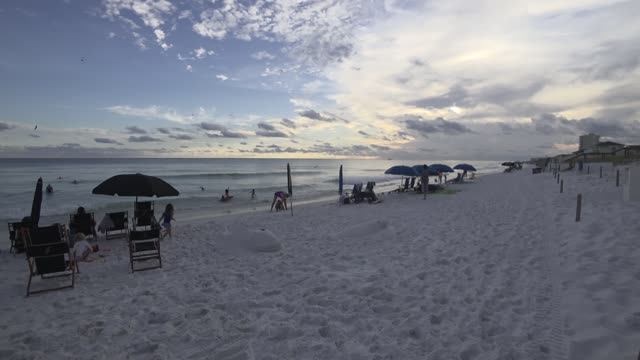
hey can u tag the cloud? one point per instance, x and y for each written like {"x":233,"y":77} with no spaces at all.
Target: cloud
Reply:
{"x":261,"y":55}
{"x":72,"y":150}
{"x":438,"y":125}
{"x":201,"y":52}
{"x":316,"y":33}
{"x":152,"y":14}
{"x":34,"y":136}
{"x":302,"y":102}
{"x":222,"y":77}
{"x":143,"y":138}
{"x":288,"y":123}
{"x":272,"y":133}
{"x":181,"y":137}
{"x":106,"y":141}
{"x":5,"y":126}
{"x":314,"y":115}
{"x":189,"y":68}
{"x":265,"y":126}
{"x":363,"y":133}
{"x":220,"y":130}
{"x":150,"y":112}
{"x":135,"y":130}
{"x":163,"y":130}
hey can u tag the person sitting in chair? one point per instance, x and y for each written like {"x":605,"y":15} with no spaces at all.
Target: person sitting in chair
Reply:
{"x":75,"y":226}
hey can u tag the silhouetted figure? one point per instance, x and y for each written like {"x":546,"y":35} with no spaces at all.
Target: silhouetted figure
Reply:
{"x":253,"y":194}
{"x":49,"y":189}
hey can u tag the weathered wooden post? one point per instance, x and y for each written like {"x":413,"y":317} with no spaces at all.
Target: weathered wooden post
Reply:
{"x":600,"y":172}
{"x":588,"y":169}
{"x":617,"y":177}
{"x":578,"y":207}
{"x":561,"y":186}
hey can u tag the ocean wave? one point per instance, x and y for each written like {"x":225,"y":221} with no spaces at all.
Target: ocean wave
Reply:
{"x":239,"y":175}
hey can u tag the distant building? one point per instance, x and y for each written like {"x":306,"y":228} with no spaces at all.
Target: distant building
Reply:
{"x":589,"y":141}
{"x":607,"y":147}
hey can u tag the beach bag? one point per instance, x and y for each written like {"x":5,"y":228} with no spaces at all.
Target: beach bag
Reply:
{"x":81,"y":250}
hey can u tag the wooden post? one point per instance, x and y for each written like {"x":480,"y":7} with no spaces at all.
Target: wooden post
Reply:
{"x":617,"y":177}
{"x":600,"y":172}
{"x":558,"y":178}
{"x":578,"y":207}
{"x":588,"y":169}
{"x":561,"y":186}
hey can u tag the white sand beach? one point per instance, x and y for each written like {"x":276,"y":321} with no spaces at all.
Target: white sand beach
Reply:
{"x":498,"y":270}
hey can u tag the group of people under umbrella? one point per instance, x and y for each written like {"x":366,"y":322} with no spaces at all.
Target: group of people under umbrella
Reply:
{"x":423,"y":172}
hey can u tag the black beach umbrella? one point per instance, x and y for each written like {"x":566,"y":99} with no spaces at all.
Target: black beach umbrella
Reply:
{"x":290,"y":188}
{"x":36,"y":205}
{"x":135,"y":185}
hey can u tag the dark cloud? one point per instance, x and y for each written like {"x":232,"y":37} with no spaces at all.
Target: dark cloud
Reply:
{"x":275,"y":133}
{"x":144,"y":138}
{"x":243,"y":143}
{"x":265,"y":126}
{"x":294,"y":141}
{"x":314,"y":115}
{"x":184,"y":146}
{"x":325,"y":148}
{"x":106,"y":141}
{"x":182,"y":137}
{"x":5,"y":126}
{"x":288,"y":123}
{"x":456,"y":95}
{"x":439,"y":125}
{"x":164,"y":131}
{"x":380,"y":147}
{"x":223,"y":131}
{"x":363,"y":133}
{"x":135,"y":130}
{"x":34,"y":136}
{"x":611,"y":60}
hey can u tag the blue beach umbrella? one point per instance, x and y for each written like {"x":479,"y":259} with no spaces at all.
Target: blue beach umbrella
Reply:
{"x":340,"y":181}
{"x":466,"y":167}
{"x":401,"y":170}
{"x":420,"y":168}
{"x":440,"y":168}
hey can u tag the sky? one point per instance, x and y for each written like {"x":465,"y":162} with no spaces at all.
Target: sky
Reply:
{"x":401,"y":79}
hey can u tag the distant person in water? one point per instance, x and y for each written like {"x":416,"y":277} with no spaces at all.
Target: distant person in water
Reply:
{"x":202,"y":188}
{"x":253,"y":194}
{"x":49,"y":189}
{"x":74,"y":182}
{"x":280,"y":196}
{"x":226,"y":196}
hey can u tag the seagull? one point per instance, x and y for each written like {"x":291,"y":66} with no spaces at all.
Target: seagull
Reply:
{"x":36,"y":127}
{"x":81,"y":59}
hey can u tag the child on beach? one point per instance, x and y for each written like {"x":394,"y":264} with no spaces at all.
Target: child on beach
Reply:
{"x":165,"y":220}
{"x":279,"y":196}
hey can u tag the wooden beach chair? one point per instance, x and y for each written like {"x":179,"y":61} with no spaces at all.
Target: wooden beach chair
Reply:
{"x":120,"y":226}
{"x":48,"y":256}
{"x":82,"y":223}
{"x":15,"y":237}
{"x":144,"y":245}
{"x":143,"y":215}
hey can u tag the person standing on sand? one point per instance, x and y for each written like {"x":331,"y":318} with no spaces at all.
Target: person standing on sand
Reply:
{"x":280,"y":196}
{"x":165,"y":220}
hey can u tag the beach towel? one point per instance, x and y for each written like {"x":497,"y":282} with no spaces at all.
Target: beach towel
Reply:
{"x":105,"y":224}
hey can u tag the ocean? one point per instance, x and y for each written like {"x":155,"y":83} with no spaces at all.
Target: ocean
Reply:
{"x":313,"y":181}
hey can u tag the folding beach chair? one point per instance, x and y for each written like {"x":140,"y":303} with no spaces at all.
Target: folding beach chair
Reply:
{"x":17,"y":245}
{"x":368,"y":193}
{"x":82,"y":223}
{"x":144,"y":245}
{"x":143,"y":216}
{"x":120,"y":226}
{"x":48,"y":256}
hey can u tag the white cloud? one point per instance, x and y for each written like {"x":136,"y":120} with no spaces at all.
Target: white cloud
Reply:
{"x":111,"y":35}
{"x":302,"y":102}
{"x":189,"y":68}
{"x":261,"y":55}
{"x":222,"y":77}
{"x":150,"y":112}
{"x":152,"y":14}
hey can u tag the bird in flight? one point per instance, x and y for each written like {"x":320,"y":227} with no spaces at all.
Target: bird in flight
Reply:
{"x":36,"y":127}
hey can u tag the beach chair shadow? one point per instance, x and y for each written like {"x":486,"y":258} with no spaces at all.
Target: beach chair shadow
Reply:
{"x":143,"y":215}
{"x":48,"y":256}
{"x":120,"y":228}
{"x":144,"y":245}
